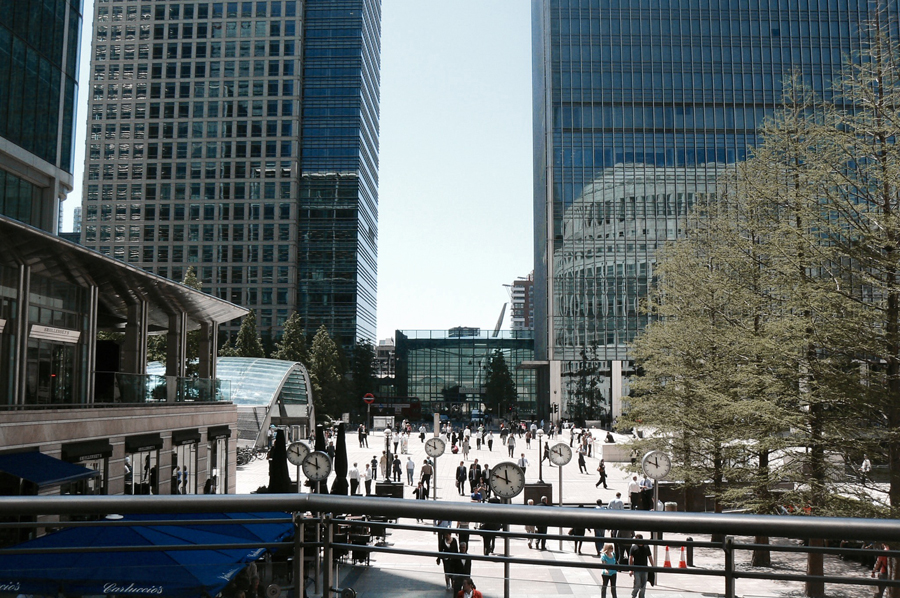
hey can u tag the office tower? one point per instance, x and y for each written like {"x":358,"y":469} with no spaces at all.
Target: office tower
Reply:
{"x":638,"y":108}
{"x":241,"y":138}
{"x":38,"y":83}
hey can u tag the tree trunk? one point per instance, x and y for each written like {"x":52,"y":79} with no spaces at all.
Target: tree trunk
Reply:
{"x":761,"y":557}
{"x":815,"y":565}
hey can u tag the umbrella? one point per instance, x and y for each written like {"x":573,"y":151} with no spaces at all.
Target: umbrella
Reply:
{"x":321,"y":487}
{"x":279,"y":478}
{"x":340,"y":484}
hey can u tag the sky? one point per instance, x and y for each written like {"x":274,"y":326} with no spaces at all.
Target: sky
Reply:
{"x":455,"y":189}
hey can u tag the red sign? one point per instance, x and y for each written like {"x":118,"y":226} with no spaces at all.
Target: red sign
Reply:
{"x":368,"y":398}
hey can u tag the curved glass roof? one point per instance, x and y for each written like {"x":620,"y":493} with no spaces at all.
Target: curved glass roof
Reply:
{"x":258,"y":381}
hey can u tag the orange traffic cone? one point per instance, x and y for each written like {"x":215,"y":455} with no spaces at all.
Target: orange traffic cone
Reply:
{"x":667,"y":563}
{"x":682,"y":564}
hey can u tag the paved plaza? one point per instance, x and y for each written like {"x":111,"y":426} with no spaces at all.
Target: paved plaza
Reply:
{"x":397,"y":574}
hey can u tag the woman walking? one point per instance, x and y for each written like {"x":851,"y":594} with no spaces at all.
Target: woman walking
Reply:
{"x":608,"y":575}
{"x":601,"y":469}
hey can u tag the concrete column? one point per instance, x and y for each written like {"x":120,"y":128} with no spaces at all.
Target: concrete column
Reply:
{"x":176,"y":345}
{"x":23,"y":292}
{"x":134,"y":349}
{"x":209,"y":343}
{"x":616,"y":395}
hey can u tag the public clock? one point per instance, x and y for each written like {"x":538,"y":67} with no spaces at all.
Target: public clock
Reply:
{"x":435,"y":447}
{"x":656,"y":464}
{"x":297,"y":452}
{"x":316,"y":466}
{"x":507,"y":479}
{"x":560,"y":454}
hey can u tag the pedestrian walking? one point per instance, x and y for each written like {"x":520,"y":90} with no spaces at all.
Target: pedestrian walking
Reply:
{"x":582,"y":466}
{"x":864,"y":469}
{"x":639,"y":556}
{"x":369,"y":476}
{"x":425,"y":471}
{"x":601,"y":469}
{"x":634,"y":493}
{"x":608,"y":575}
{"x":881,"y":571}
{"x":353,"y":474}
{"x":490,"y":441}
{"x":462,"y":474}
{"x":523,"y":463}
{"x":410,"y":470}
{"x":529,"y":529}
{"x":511,"y":445}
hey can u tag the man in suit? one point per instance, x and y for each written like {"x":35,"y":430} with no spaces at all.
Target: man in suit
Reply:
{"x":461,"y":476}
{"x":474,"y":476}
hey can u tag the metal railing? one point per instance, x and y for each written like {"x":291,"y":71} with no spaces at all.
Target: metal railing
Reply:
{"x":317,"y":547}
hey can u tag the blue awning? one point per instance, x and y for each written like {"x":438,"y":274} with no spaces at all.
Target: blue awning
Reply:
{"x":172,"y":573}
{"x":42,"y":469}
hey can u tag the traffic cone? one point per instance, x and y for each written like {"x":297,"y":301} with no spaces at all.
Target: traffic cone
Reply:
{"x":667,"y":564}
{"x":682,"y":564}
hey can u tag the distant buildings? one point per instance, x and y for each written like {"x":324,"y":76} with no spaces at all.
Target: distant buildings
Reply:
{"x":446,"y":370}
{"x":638,"y":107}
{"x":241,"y":138}
{"x":521,"y":295}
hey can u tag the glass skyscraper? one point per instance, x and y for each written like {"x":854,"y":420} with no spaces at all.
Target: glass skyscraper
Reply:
{"x":639,"y":105}
{"x":241,"y":138}
{"x":38,"y":84}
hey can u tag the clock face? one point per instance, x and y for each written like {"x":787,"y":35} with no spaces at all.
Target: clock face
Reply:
{"x":297,"y":452}
{"x":316,"y":466}
{"x":507,"y":480}
{"x":656,"y":464}
{"x":560,"y":454}
{"x":435,"y":447}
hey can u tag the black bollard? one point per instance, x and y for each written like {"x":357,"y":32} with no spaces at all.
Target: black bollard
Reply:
{"x":690,"y":552}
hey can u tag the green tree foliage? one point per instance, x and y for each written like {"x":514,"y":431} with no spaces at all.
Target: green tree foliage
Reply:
{"x":248,"y":343}
{"x":227,"y":349}
{"x":500,"y":393}
{"x":777,"y":351}
{"x":325,"y":371}
{"x":362,"y":375}
{"x":157,"y":343}
{"x":292,"y":346}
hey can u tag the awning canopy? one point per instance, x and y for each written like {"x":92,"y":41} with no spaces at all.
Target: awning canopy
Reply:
{"x":118,"y":570}
{"x":42,"y":469}
{"x":119,"y":284}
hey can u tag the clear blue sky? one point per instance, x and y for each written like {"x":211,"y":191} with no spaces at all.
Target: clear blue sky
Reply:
{"x":455,"y":209}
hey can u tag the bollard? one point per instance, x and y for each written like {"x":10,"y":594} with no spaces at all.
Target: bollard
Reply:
{"x":690,"y":553}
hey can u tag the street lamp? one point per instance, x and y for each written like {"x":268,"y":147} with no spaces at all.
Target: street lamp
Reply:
{"x":540,"y":436}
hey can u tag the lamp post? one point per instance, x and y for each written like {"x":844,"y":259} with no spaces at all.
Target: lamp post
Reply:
{"x":540,"y":437}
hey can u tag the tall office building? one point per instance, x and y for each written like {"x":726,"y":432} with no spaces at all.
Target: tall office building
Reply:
{"x":38,"y":84}
{"x":639,"y":105}
{"x":241,"y":138}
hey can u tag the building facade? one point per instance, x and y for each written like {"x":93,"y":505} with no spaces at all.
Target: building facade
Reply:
{"x":445,"y":371}
{"x":38,"y":84}
{"x":638,"y":108}
{"x":241,"y":138}
{"x":521,"y":303}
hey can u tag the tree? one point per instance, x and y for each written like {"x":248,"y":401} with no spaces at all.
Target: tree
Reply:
{"x":292,"y":346}
{"x":587,"y":401}
{"x":325,"y":373}
{"x":362,"y":375}
{"x":157,"y":343}
{"x":500,"y":391}
{"x":248,"y":343}
{"x":227,"y":350}
{"x":785,"y":299}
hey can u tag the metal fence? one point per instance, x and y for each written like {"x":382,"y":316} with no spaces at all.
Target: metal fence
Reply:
{"x":325,"y":527}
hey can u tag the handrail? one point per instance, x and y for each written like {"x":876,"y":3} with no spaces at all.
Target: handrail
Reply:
{"x":887,"y":530}
{"x":326,"y":511}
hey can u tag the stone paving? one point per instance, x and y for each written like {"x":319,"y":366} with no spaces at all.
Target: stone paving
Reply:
{"x":395,"y":574}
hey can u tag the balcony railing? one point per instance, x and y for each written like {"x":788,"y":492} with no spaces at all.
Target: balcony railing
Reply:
{"x":119,"y":387}
{"x":329,"y":529}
